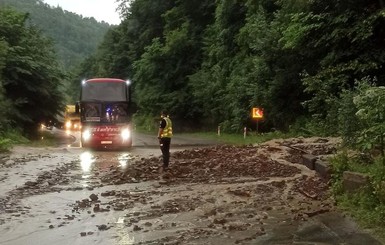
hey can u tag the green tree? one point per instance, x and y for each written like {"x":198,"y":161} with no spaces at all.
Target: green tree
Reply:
{"x":343,"y":42}
{"x":370,"y":103}
{"x":211,"y":83}
{"x":31,"y":73}
{"x":172,"y":32}
{"x":4,"y":103}
{"x":214,"y":61}
{"x":75,"y":37}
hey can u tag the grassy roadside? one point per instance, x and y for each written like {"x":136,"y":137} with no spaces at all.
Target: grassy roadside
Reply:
{"x":239,"y":139}
{"x":43,"y":139}
{"x":234,"y":139}
{"x":367,"y":204}
{"x":10,"y":138}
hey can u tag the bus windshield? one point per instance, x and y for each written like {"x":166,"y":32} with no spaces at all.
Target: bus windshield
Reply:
{"x":104,"y":91}
{"x":105,"y":112}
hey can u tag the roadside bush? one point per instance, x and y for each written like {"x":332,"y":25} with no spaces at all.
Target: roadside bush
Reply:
{"x":5,"y":145}
{"x":349,"y":126}
{"x":364,"y":207}
{"x":370,"y":103}
{"x":9,"y":137}
{"x":340,"y":164}
{"x":303,"y":127}
{"x":229,"y":127}
{"x":145,"y":122}
{"x":361,"y":118}
{"x":368,"y":204}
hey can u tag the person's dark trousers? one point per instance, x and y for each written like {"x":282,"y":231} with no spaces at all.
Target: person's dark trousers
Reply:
{"x":165,"y":148}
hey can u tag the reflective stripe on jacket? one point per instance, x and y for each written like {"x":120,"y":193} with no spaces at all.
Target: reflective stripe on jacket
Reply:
{"x":167,"y":131}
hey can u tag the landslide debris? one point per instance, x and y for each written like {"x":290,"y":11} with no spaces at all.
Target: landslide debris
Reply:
{"x":221,"y":193}
{"x":206,"y":165}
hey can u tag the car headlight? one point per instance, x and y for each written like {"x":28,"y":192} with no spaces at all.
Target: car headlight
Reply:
{"x":68,"y":124}
{"x":126,"y":134}
{"x":86,"y":135}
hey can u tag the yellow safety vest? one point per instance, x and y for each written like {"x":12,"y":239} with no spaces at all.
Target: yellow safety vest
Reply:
{"x":167,"y":131}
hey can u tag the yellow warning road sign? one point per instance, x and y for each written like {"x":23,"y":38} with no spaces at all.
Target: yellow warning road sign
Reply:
{"x":257,"y":113}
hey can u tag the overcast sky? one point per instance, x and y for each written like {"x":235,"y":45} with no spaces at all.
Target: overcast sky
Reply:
{"x":101,"y":10}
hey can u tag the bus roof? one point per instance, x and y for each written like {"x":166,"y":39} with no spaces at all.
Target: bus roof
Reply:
{"x":106,"y":80}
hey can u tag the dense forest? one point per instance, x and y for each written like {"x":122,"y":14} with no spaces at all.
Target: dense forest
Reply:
{"x":210,"y":62}
{"x":75,"y":37}
{"x":30,"y":78}
{"x":40,"y":46}
{"x":314,"y":66}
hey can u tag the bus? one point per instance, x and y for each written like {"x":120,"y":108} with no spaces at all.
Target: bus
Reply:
{"x":105,"y":113}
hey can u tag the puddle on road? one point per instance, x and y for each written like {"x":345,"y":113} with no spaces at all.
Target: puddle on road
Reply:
{"x":90,"y":161}
{"x":94,"y":163}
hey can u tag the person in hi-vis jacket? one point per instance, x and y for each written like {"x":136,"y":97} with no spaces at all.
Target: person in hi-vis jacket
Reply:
{"x":164,"y":136}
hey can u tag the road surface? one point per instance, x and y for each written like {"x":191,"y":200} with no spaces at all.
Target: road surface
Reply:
{"x":213,"y":194}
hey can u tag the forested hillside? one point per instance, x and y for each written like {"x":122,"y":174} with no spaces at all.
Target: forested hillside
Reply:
{"x":209,"y":62}
{"x":39,"y":48}
{"x":31,"y":79}
{"x":74,"y":36}
{"x":310,"y":64}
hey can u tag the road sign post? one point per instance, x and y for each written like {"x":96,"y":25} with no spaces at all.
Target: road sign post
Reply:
{"x":257,"y":114}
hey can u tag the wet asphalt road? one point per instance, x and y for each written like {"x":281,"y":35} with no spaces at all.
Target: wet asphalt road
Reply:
{"x":45,"y":215}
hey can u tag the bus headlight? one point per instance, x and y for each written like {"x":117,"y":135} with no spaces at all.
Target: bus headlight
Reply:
{"x":125,"y":134}
{"x":86,"y":135}
{"x":68,"y":124}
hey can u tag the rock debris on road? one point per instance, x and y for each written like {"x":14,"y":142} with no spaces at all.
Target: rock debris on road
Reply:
{"x":212,"y":195}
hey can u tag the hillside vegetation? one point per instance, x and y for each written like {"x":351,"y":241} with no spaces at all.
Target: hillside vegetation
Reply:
{"x":210,"y":63}
{"x":75,"y":37}
{"x":39,"y":48}
{"x":307,"y":64}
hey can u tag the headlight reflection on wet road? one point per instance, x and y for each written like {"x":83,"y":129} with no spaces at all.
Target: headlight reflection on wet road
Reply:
{"x":86,"y":160}
{"x":123,"y":160}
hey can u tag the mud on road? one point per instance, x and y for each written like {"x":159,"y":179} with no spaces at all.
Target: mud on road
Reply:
{"x":211,"y":195}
